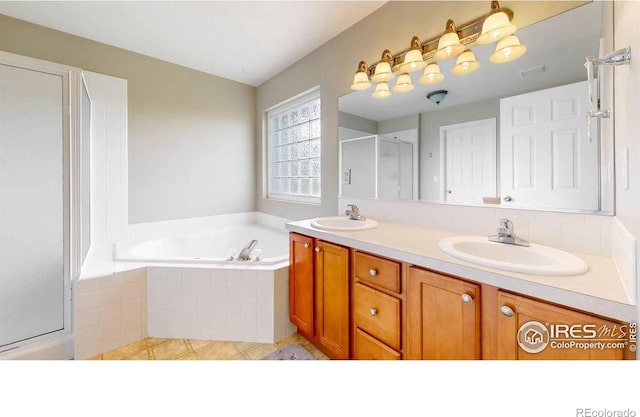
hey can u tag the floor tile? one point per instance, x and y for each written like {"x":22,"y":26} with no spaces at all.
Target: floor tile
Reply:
{"x":189,"y":356}
{"x":217,"y":350}
{"x":172,"y":349}
{"x":153,"y":341}
{"x":197,"y":344}
{"x":294,"y":338}
{"x":245,"y":346}
{"x":142,"y":356}
{"x":261,"y":351}
{"x":126,"y":351}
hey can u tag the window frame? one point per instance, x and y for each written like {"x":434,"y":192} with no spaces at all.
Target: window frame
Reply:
{"x":276,"y":110}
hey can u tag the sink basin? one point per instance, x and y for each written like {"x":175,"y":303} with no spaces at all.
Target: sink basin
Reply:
{"x":536,"y":259}
{"x":342,"y":224}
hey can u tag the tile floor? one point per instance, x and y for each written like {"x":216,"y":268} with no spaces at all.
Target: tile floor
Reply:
{"x":191,"y":349}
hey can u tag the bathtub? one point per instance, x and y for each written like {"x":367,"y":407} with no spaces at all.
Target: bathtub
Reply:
{"x":194,"y":292}
{"x":213,"y":247}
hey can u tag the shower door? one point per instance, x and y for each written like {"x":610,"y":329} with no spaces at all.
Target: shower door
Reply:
{"x":34,"y":220}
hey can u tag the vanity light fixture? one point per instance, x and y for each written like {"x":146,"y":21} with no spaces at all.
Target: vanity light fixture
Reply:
{"x":383,"y":68}
{"x":456,"y":41}
{"x":404,"y":84}
{"x":413,"y":60}
{"x":361,"y":79}
{"x":382,"y":91}
{"x":431,"y":75}
{"x":466,"y":63}
{"x":496,"y":26}
{"x":449,"y":45}
{"x":507,"y":50}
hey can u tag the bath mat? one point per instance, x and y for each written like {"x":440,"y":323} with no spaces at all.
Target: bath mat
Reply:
{"x":290,"y":352}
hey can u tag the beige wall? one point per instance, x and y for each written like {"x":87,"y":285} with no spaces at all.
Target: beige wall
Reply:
{"x":332,"y":67}
{"x":191,"y":135}
{"x":627,"y":124}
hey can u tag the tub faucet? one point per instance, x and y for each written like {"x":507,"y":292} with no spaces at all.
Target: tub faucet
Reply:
{"x":245,"y":254}
{"x":352,"y":212}
{"x":506,"y":234}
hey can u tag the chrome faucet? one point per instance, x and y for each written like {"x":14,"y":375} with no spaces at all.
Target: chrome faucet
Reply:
{"x":352,"y":212}
{"x":506,"y":234}
{"x":245,"y":254}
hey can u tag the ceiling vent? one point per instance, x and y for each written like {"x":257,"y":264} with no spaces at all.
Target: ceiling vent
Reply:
{"x":533,"y":71}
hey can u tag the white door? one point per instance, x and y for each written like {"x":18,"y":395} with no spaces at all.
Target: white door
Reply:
{"x":468,"y":163}
{"x":32,"y":212}
{"x":546,"y":158}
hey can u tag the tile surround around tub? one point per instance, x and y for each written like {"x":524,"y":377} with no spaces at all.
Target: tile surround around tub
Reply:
{"x":623,"y":251}
{"x":584,"y":233}
{"x":111,"y":311}
{"x":218,"y":304}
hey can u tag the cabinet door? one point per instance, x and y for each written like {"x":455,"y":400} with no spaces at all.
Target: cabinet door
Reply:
{"x":443,"y":317}
{"x":332,"y":298}
{"x":301,"y":289}
{"x":516,"y":311}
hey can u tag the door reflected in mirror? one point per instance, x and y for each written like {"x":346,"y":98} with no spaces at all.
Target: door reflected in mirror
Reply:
{"x":512,"y":135}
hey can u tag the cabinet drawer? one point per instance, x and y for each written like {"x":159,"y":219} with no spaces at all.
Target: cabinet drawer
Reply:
{"x":367,"y":347}
{"x":378,"y":271}
{"x":378,"y":314}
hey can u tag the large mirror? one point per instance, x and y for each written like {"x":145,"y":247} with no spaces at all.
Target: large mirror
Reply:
{"x":512,"y":135}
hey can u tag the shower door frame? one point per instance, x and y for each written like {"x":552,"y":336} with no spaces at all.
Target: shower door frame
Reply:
{"x":60,"y":343}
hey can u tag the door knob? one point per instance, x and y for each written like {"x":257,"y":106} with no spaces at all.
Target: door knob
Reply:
{"x":467,"y":299}
{"x":507,"y":198}
{"x":507,"y":311}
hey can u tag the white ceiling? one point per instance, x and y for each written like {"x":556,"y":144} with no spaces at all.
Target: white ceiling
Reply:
{"x":245,"y":41}
{"x":560,"y":43}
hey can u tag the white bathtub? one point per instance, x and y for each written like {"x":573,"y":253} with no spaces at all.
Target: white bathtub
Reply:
{"x":210,"y":248}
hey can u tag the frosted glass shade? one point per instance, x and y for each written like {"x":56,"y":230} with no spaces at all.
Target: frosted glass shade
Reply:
{"x":508,"y":49}
{"x":431,"y":75}
{"x":360,"y":81}
{"x":413,"y":61}
{"x":403,"y":84}
{"x":449,"y":46}
{"x":382,"y":91}
{"x":382,"y":73}
{"x":466,"y":63}
{"x":495,"y":27}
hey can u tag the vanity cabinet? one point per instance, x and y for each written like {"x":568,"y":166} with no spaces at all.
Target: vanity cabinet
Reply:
{"x":332,"y":299}
{"x":443,"y":318}
{"x":516,"y":310}
{"x":357,"y":305}
{"x":319,"y":293}
{"x":378,"y":307}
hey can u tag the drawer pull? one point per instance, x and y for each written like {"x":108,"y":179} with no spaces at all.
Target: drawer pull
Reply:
{"x":373,"y":312}
{"x":373,"y":272}
{"x":507,"y":311}
{"x":318,"y":249}
{"x":467,"y":299}
{"x":306,"y":245}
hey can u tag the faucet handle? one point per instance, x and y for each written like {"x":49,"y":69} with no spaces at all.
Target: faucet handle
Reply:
{"x":505,"y":227}
{"x":352,"y":207}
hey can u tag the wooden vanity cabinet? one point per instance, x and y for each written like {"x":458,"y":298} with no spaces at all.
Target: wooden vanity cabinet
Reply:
{"x":301,"y":284}
{"x":319,"y":293}
{"x":516,"y":310}
{"x":378,"y":307}
{"x":443,"y":317}
{"x":332,"y":299}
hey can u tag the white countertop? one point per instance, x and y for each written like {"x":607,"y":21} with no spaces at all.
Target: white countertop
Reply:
{"x":600,"y":290}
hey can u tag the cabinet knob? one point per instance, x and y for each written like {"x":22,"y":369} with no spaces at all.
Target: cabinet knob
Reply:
{"x":373,"y":272}
{"x":373,"y":312}
{"x":507,"y":311}
{"x":318,"y":249}
{"x":467,"y":299}
{"x":306,"y":245}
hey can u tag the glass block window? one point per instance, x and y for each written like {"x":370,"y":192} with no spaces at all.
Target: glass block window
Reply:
{"x":293,"y":144}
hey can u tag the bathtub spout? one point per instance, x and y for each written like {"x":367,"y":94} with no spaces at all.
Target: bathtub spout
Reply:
{"x":245,"y":254}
